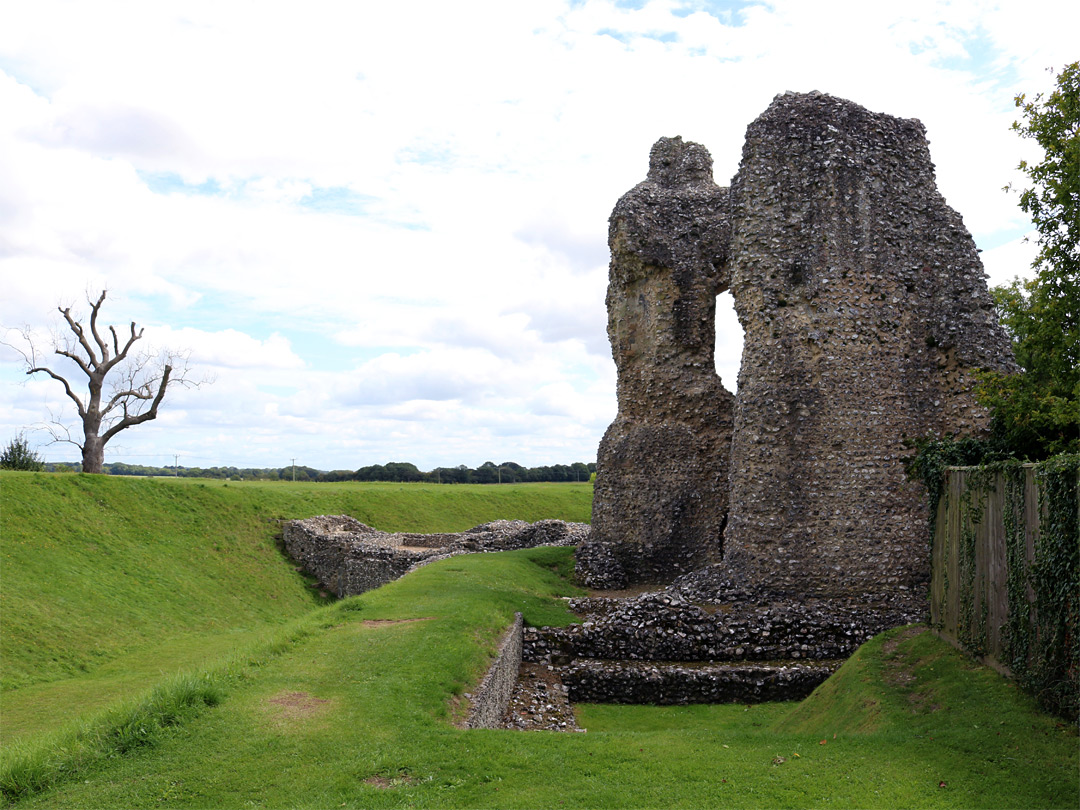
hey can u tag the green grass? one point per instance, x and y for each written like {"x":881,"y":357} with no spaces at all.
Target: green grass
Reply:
{"x":320,"y":709}
{"x":108,"y":583}
{"x":341,"y":708}
{"x":95,"y":566}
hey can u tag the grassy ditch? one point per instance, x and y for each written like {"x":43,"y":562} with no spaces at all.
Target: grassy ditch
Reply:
{"x":108,"y":584}
{"x":244,"y":689}
{"x":96,"y":567}
{"x":354,"y":704}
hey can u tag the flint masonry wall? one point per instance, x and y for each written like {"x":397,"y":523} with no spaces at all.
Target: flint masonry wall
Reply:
{"x":664,"y":627}
{"x":665,"y":648}
{"x":864,"y":308}
{"x":492,"y":695}
{"x":661,"y":485}
{"x":349,"y":557}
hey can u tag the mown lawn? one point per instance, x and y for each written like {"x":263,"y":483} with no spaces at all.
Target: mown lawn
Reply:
{"x":95,"y":567}
{"x":291,"y":703}
{"x":345,"y":713}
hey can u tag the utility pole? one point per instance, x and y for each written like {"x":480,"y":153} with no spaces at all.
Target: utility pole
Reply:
{"x":176,"y":465}
{"x":294,"y":470}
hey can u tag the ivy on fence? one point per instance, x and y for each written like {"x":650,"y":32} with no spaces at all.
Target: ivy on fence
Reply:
{"x":1039,"y":641}
{"x":1053,"y":671}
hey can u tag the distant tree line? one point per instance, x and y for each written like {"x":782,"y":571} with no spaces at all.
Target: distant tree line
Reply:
{"x":487,"y":473}
{"x":396,"y":471}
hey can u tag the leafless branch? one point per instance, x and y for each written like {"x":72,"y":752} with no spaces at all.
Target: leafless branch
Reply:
{"x":136,"y":383}
{"x":67,"y":387}
{"x":94,"y":308}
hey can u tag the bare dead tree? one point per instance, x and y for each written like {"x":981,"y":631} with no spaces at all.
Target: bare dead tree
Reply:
{"x":124,"y":388}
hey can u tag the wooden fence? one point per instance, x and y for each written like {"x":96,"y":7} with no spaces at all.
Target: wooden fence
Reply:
{"x":969,"y":601}
{"x":1005,"y":573}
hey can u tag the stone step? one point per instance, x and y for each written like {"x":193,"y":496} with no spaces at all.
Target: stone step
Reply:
{"x":665,"y":627}
{"x":699,"y":641}
{"x":663,"y":647}
{"x":590,"y":680}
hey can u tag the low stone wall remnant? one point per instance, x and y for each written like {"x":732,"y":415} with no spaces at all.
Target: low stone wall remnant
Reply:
{"x":492,"y":696}
{"x":668,"y":647}
{"x":349,"y":557}
{"x":666,"y":627}
{"x":665,"y":683}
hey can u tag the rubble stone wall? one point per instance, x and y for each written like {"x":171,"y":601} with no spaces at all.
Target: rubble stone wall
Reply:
{"x":661,"y":479}
{"x":865,"y":310}
{"x":349,"y":558}
{"x":643,"y":682}
{"x":666,"y":627}
{"x":492,"y":696}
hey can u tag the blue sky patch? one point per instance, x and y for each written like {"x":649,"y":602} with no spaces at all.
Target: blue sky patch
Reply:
{"x":426,"y":155}
{"x":172,"y":183}
{"x":980,"y":55}
{"x":14,"y":69}
{"x":729,"y":12}
{"x":618,"y":35}
{"x":996,"y":239}
{"x":626,"y":39}
{"x":336,"y":200}
{"x":322,"y":199}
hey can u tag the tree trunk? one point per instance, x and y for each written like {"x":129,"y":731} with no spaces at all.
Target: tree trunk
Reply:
{"x":93,"y":455}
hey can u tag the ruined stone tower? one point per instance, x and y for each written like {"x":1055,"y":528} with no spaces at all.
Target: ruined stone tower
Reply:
{"x":865,"y":310}
{"x":661,"y":485}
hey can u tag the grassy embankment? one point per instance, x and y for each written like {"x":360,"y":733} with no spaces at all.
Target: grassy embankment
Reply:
{"x":327,"y":706}
{"x":123,"y":579}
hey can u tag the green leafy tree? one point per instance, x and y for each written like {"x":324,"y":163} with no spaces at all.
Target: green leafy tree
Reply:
{"x":1036,"y":414}
{"x":18,"y":456}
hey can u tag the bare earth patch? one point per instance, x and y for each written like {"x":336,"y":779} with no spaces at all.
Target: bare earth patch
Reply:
{"x":894,"y":642}
{"x":539,"y":702}
{"x":296,"y":706}
{"x":388,"y":622}
{"x":387,"y":782}
{"x":898,"y":672}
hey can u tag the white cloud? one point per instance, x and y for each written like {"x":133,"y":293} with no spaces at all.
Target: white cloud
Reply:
{"x":230,"y":349}
{"x":384,"y":225}
{"x":1010,"y":260}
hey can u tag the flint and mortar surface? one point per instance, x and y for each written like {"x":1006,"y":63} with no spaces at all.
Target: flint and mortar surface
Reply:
{"x":661,"y":485}
{"x":591,"y":681}
{"x":780,"y":519}
{"x":488,"y":703}
{"x":664,"y":626}
{"x":349,"y":557}
{"x":865,"y":310}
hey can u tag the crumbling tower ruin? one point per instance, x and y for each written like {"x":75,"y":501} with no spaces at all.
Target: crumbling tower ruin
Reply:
{"x":661,"y":487}
{"x":865,"y":310}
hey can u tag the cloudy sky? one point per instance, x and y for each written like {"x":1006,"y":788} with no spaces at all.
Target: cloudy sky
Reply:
{"x":381,"y":226}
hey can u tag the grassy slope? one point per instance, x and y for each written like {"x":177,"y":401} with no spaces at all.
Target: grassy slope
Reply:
{"x":95,"y":565}
{"x":324,"y":710}
{"x":357,"y":715}
{"x":126,"y":578}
